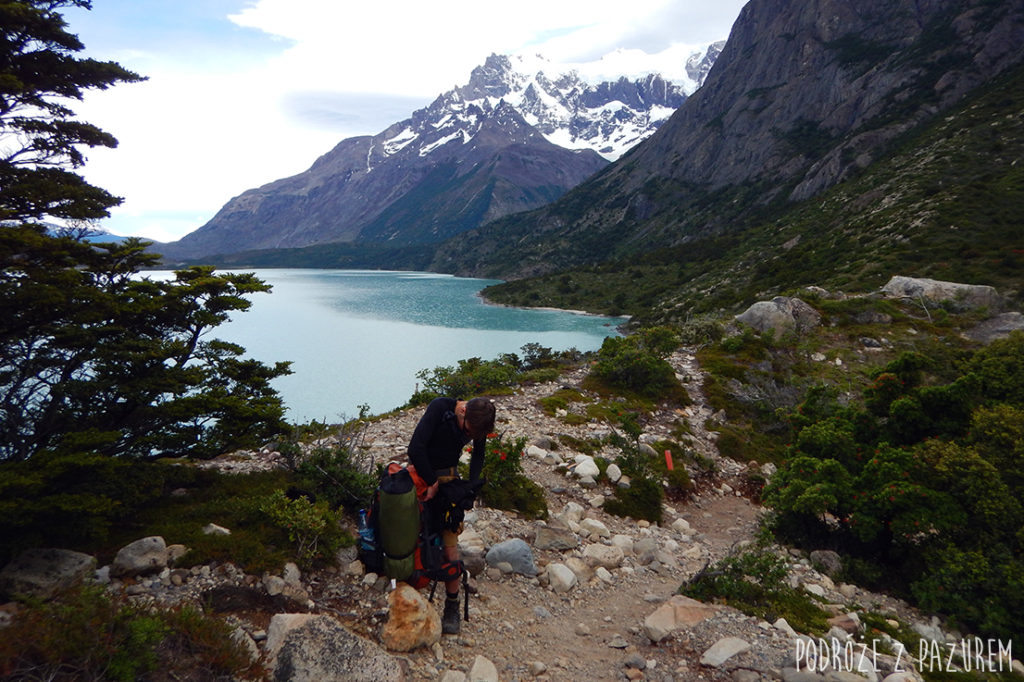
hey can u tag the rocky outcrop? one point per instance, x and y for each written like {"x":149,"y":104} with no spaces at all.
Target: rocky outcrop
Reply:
{"x":933,"y":292}
{"x":311,"y":648}
{"x":43,"y":573}
{"x":998,"y":327}
{"x":781,"y":314}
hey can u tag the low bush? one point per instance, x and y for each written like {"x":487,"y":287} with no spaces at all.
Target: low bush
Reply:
{"x":641,"y":500}
{"x":507,"y":487}
{"x":637,"y":364}
{"x":86,"y":635}
{"x":330,"y":474}
{"x":311,"y":526}
{"x":754,"y":582}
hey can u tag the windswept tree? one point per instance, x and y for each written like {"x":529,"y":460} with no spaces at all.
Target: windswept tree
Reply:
{"x":94,"y":357}
{"x":40,"y":139}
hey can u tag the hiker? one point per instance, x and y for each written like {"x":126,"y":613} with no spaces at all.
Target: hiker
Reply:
{"x":447,"y":425}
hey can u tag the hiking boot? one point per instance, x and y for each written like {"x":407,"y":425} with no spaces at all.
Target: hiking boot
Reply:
{"x":450,"y":620}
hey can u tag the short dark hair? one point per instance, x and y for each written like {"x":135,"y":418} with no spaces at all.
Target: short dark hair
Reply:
{"x":480,"y":416}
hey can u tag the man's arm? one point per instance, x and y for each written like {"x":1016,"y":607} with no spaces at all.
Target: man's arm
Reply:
{"x":421,"y":436}
{"x":476,"y":462}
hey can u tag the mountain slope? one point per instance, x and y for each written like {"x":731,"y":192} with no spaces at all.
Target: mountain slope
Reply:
{"x":803,"y":96}
{"x":945,"y":204}
{"x":512,"y":139}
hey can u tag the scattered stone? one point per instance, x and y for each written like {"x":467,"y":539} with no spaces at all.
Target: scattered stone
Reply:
{"x":723,"y":650}
{"x":214,"y":529}
{"x":274,"y":585}
{"x":516,"y":552}
{"x":618,"y":642}
{"x":830,"y":562}
{"x":483,"y":670}
{"x":241,"y":637}
{"x":175,"y":552}
{"x":681,"y":525}
{"x":781,"y":314}
{"x":998,"y":327}
{"x":848,"y":623}
{"x":558,"y":539}
{"x":678,"y":612}
{"x":562,"y":578}
{"x":586,"y":467}
{"x":412,"y":621}
{"x":595,"y":528}
{"x":146,"y":555}
{"x":608,"y":556}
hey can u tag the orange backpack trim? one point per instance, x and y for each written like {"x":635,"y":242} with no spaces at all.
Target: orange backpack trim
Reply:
{"x":417,"y":480}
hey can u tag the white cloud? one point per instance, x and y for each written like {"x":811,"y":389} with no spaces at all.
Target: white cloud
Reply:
{"x":193,"y":137}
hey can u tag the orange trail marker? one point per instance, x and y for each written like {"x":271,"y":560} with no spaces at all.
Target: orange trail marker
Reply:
{"x":668,"y":460}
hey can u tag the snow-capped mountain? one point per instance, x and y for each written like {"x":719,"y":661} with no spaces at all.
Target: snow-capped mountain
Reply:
{"x":518,"y":135}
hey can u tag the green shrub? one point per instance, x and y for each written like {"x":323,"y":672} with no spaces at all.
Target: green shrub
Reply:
{"x":74,"y":500}
{"x":754,"y":582}
{"x":331,"y":475}
{"x":637,"y":364}
{"x":85,"y":635}
{"x":538,"y":376}
{"x":506,"y":486}
{"x":1000,"y":368}
{"x":559,"y":400}
{"x":471,"y":377}
{"x":921,"y":493}
{"x":701,"y":330}
{"x":311,"y":526}
{"x":641,"y":500}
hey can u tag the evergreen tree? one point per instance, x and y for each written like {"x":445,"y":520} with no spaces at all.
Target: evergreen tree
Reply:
{"x":93,"y":357}
{"x":39,"y":136}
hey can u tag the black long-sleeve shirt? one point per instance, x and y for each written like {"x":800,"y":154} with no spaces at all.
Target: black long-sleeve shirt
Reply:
{"x":437,"y":442}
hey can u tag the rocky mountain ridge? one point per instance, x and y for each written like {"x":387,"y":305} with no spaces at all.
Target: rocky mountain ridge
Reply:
{"x":802,"y":97}
{"x":516,"y":136}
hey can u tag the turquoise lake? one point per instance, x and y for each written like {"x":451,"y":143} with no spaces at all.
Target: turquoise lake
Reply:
{"x":359,"y":337}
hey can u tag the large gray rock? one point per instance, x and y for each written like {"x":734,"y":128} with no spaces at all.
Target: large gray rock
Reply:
{"x":304,"y":647}
{"x":515,"y":552}
{"x":559,"y":539}
{"x":146,"y":555}
{"x":781,"y":314}
{"x":960,"y":296}
{"x":45,"y":572}
{"x":609,"y":556}
{"x":998,"y":327}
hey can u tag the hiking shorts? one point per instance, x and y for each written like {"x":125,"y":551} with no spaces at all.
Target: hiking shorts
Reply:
{"x":450,"y":538}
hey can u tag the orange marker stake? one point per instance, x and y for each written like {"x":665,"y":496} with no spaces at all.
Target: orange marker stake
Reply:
{"x":668,"y":460}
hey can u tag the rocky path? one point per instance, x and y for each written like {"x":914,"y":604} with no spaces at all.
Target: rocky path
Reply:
{"x":533,"y":628}
{"x":594,"y":631}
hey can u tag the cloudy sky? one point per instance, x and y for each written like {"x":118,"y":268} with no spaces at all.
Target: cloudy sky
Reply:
{"x":243,"y":92}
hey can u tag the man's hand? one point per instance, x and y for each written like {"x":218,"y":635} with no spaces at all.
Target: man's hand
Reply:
{"x":431,"y":491}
